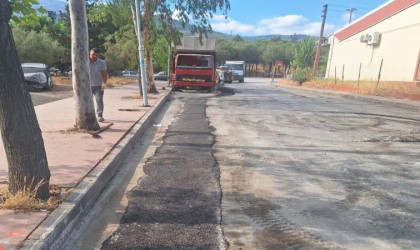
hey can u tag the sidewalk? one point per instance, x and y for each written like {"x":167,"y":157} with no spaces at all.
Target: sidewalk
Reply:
{"x":77,"y":160}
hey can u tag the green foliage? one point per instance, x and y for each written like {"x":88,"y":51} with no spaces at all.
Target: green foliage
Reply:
{"x":24,"y":12}
{"x":196,"y":14}
{"x":38,"y":47}
{"x":323,"y":61}
{"x":100,"y":23}
{"x":160,"y":53}
{"x":122,"y":53}
{"x":277,"y":51}
{"x":262,"y":51}
{"x":250,"y":53}
{"x":301,"y":75}
{"x":237,"y":38}
{"x":226,"y":50}
{"x":304,"y":54}
{"x":58,"y":30}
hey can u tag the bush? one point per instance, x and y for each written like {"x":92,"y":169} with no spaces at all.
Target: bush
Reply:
{"x":299,"y":76}
{"x":38,"y":47}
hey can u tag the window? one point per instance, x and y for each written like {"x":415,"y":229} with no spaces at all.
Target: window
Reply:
{"x":194,"y":61}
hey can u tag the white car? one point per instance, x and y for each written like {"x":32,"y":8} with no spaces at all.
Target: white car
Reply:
{"x":130,"y":73}
{"x":161,"y":76}
{"x":37,"y":76}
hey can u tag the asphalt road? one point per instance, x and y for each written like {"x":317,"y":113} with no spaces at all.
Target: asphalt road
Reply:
{"x":303,"y":170}
{"x":261,"y":167}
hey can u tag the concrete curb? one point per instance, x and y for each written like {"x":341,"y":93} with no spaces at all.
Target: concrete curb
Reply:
{"x":400,"y":103}
{"x":52,"y":232}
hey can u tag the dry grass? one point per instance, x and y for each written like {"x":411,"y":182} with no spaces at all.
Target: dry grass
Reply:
{"x":400,"y":90}
{"x":387,"y":86}
{"x":112,"y":81}
{"x":25,"y":200}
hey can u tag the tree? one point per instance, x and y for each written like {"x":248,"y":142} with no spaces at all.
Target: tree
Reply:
{"x":226,"y":50}
{"x":251,"y":56}
{"x":304,"y":59}
{"x":22,"y":139}
{"x":85,"y":110}
{"x":237,"y":38}
{"x":195,"y":13}
{"x":122,"y":53}
{"x":38,"y":47}
{"x":160,"y":53}
{"x":304,"y":54}
{"x":24,"y":12}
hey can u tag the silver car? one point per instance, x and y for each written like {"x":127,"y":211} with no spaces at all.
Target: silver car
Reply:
{"x":37,"y":76}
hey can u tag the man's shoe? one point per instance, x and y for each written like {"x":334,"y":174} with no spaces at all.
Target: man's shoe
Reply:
{"x":101,"y":119}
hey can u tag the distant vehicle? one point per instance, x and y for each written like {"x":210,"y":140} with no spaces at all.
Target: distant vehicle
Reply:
{"x":37,"y":76}
{"x":238,"y":68}
{"x":161,"y":76}
{"x":116,"y":73}
{"x":194,"y":64}
{"x":55,"y":72}
{"x":130,"y":73}
{"x":228,"y":74}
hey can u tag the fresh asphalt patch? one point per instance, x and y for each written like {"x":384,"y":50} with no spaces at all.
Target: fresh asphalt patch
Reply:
{"x":176,"y":204}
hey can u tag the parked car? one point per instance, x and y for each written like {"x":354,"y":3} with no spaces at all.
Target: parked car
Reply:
{"x":130,"y":73}
{"x":37,"y":76}
{"x":161,"y":76}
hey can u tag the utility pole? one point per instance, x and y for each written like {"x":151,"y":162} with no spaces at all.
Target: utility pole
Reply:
{"x":351,"y":13}
{"x":318,"y":48}
{"x":141,"y":49}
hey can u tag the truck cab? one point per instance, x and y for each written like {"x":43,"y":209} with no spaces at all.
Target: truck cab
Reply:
{"x":238,"y":69}
{"x":194,"y":64}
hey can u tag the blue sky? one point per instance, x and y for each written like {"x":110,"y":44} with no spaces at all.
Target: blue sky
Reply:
{"x":270,"y":17}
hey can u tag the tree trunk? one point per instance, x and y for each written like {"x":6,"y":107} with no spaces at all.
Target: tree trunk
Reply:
{"x":84,"y":107}
{"x":22,"y":138}
{"x":149,"y":11}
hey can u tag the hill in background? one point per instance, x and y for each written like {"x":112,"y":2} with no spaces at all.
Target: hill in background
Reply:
{"x":186,"y":32}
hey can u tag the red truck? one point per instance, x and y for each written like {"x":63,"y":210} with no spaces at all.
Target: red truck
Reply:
{"x":194,"y":64}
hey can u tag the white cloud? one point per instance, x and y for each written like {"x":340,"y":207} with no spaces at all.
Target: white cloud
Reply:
{"x":282,"y":25}
{"x":228,"y":25}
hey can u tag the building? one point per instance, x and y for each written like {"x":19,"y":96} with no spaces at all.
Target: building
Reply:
{"x":382,"y":45}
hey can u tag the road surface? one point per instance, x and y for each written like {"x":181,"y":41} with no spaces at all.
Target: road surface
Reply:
{"x":262,"y":167}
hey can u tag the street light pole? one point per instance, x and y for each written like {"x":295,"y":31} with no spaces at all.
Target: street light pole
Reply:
{"x":141,"y":49}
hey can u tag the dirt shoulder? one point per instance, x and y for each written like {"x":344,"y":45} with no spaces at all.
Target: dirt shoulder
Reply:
{"x":395,"y":90}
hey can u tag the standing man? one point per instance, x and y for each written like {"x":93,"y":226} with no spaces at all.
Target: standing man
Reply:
{"x":98,"y":78}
